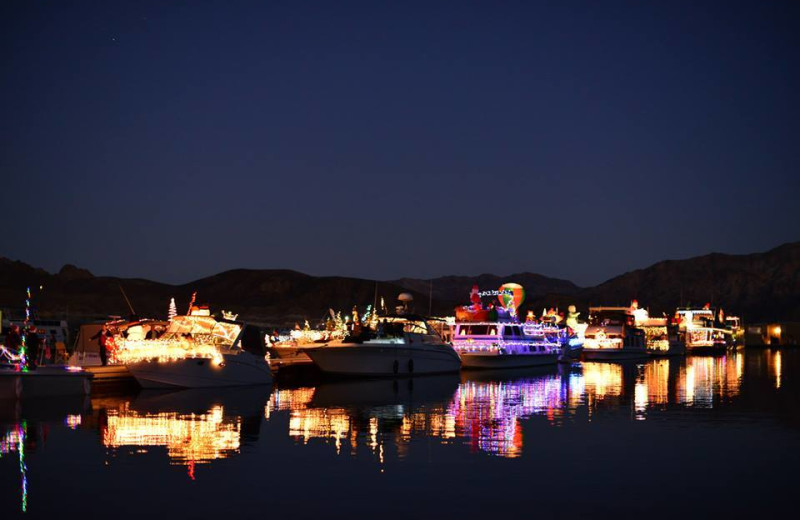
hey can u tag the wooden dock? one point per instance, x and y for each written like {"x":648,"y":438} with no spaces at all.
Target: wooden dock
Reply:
{"x":111,"y":376}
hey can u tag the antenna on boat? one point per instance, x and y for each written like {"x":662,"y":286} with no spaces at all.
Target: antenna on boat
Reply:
{"x":375,"y":301}
{"x":191,"y":303}
{"x":430,"y":298}
{"x":133,"y":312}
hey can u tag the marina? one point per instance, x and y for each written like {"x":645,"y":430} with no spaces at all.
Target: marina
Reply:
{"x":188,"y":398}
{"x":659,"y":417}
{"x":399,"y":260}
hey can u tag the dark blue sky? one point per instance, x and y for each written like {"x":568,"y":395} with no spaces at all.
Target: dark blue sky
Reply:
{"x":173,"y":140}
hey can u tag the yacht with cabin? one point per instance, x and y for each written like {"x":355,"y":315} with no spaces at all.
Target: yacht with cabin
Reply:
{"x":197,"y":351}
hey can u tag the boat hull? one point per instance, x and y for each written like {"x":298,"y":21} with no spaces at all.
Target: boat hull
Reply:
{"x":610,"y":354}
{"x":403,"y":360}
{"x":570,"y":354}
{"x":240,"y":369}
{"x":45,"y":382}
{"x":491,"y":360}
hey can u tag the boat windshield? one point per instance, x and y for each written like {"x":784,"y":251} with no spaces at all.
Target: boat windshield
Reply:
{"x":414,"y":326}
{"x":477,"y":330}
{"x":222,"y":333}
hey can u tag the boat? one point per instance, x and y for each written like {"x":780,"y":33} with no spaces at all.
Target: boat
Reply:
{"x":198,"y":351}
{"x":703,"y":330}
{"x":612,"y":334}
{"x":511,"y":344}
{"x":20,"y":379}
{"x":291,"y":349}
{"x":490,"y":337}
{"x":575,"y":334}
{"x":660,"y":336}
{"x":400,"y":344}
{"x":46,"y":381}
{"x":734,"y":323}
{"x":86,"y":351}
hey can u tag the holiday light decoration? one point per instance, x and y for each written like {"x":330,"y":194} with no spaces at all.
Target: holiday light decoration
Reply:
{"x":187,"y":337}
{"x":10,"y":356}
{"x":173,"y":309}
{"x":514,"y":299}
{"x":23,"y":349}
{"x":229,"y":315}
{"x":601,"y":341}
{"x":166,"y":349}
{"x":335,"y":329}
{"x":191,"y":303}
{"x":500,"y":292}
{"x":656,"y":337}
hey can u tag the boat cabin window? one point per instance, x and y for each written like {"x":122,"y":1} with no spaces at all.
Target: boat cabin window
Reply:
{"x":415,"y":327}
{"x":512,"y":331}
{"x":474,"y":330}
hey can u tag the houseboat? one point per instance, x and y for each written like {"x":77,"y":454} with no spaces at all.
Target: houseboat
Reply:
{"x":703,"y":330}
{"x":486,"y":336}
{"x":507,"y":344}
{"x":612,"y":334}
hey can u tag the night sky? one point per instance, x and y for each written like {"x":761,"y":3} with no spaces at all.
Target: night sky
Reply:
{"x":173,"y":140}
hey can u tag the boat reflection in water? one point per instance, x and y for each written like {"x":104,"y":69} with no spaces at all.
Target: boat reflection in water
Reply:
{"x":195,"y":426}
{"x":368,"y":413}
{"x":704,"y":380}
{"x":24,"y":426}
{"x":15,"y":439}
{"x":486,"y":410}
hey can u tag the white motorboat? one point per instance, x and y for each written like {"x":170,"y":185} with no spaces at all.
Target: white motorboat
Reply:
{"x":612,"y":335}
{"x":198,"y":351}
{"x":402,"y":345}
{"x":45,"y":381}
{"x":293,"y":349}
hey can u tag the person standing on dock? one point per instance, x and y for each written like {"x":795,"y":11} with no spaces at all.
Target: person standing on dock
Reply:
{"x":13,"y":340}
{"x":102,"y":338}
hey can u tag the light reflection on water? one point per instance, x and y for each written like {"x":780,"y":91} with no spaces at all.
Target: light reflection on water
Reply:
{"x":486,"y":409}
{"x":489,"y":413}
{"x":194,"y":438}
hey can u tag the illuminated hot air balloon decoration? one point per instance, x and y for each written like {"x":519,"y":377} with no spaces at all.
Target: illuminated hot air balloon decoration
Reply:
{"x":511,"y":296}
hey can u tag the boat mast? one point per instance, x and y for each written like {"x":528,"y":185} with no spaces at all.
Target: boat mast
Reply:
{"x":430,"y":297}
{"x":133,"y":312}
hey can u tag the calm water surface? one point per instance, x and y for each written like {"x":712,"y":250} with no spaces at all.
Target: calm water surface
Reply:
{"x":695,"y":437}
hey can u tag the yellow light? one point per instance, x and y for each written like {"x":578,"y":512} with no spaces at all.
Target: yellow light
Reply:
{"x":776,"y":330}
{"x":196,"y":438}
{"x":164,"y":350}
